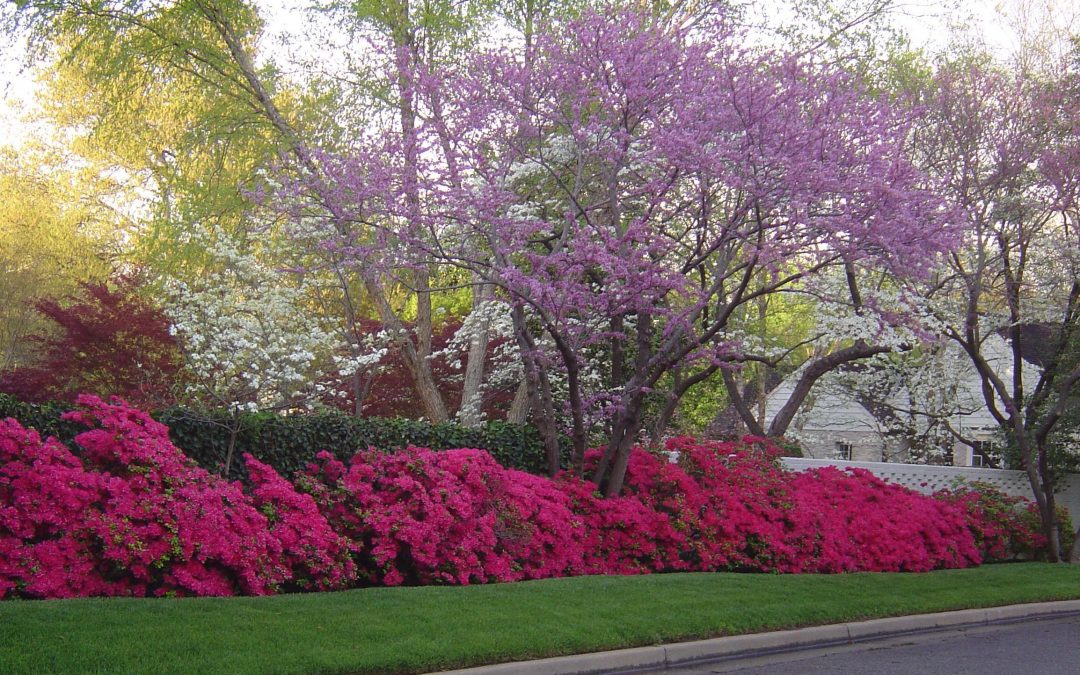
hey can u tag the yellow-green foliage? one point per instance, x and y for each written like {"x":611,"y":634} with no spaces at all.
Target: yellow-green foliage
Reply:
{"x":50,"y":240}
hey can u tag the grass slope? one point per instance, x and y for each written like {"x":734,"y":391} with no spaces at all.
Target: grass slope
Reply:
{"x":432,"y":628}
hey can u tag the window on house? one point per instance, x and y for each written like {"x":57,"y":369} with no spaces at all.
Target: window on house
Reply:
{"x":843,"y":450}
{"x":982,"y":454}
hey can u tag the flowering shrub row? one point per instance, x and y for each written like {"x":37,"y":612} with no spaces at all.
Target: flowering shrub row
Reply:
{"x":127,"y":514}
{"x":1002,"y":525}
{"x":131,"y":515}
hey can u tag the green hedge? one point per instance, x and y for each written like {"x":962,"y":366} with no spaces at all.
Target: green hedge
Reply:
{"x":45,"y":417}
{"x":288,"y":442}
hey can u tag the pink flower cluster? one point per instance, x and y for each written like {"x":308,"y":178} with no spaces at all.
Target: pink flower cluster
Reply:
{"x":455,"y":516}
{"x":730,"y":506}
{"x":129,"y":514}
{"x":126,"y":513}
{"x":419,"y":517}
{"x":1002,"y":525}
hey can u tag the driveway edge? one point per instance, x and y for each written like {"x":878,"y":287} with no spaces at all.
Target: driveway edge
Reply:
{"x":688,"y":653}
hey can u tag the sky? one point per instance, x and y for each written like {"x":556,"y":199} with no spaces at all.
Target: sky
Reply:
{"x":923,"y":20}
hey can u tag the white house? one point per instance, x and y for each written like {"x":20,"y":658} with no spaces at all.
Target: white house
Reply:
{"x":885,"y":415}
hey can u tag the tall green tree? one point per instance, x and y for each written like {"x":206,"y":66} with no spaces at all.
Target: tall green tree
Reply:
{"x":51,"y":240}
{"x":149,"y":93}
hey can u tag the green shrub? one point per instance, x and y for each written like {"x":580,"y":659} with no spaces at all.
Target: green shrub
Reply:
{"x":289,"y":442}
{"x":45,"y":417}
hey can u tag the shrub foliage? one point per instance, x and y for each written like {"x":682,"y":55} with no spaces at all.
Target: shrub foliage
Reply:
{"x":121,"y":511}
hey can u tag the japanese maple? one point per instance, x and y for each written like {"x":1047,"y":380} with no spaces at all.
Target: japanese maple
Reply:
{"x":107,"y":340}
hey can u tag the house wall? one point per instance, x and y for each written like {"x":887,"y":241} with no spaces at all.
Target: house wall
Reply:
{"x":831,"y":415}
{"x":829,"y":421}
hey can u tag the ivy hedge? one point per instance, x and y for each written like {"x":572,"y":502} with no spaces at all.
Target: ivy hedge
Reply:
{"x":45,"y":417}
{"x":289,"y":442}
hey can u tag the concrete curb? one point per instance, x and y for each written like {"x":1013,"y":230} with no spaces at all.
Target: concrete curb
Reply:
{"x":659,"y":657}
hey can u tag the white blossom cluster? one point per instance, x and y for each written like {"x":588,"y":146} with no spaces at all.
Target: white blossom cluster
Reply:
{"x":890,"y":317}
{"x":248,"y":340}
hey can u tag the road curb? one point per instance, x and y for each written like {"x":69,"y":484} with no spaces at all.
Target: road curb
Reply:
{"x":679,"y":654}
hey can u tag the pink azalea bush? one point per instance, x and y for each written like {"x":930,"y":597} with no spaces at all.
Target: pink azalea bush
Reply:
{"x":623,"y":535}
{"x":316,"y":557}
{"x":123,"y":512}
{"x":736,"y":508}
{"x":129,"y":514}
{"x":851,"y":520}
{"x":1001,"y":525}
{"x":456,"y":516}
{"x":747,"y":493}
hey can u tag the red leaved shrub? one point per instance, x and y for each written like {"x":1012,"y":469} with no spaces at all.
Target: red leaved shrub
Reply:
{"x":106,"y":339}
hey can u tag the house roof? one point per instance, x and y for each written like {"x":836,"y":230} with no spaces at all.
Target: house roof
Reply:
{"x":1037,"y":342}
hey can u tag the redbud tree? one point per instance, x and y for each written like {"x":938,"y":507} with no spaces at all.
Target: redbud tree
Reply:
{"x":628,"y":186}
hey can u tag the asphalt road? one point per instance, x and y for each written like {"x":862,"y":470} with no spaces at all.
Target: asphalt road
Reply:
{"x":1032,"y":647}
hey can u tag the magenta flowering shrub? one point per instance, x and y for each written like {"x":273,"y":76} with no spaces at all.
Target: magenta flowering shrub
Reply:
{"x":731,"y":506}
{"x":747,"y":493}
{"x":43,"y":488}
{"x":458,"y":517}
{"x":851,"y":520}
{"x":1000,"y":524}
{"x":539,"y":529}
{"x":450,"y":517}
{"x":316,"y":557}
{"x":623,"y":535}
{"x":129,"y":514}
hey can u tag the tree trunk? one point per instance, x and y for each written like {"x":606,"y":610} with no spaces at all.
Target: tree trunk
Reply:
{"x":471,"y":400}
{"x":620,"y":448}
{"x":519,"y":408}
{"x":418,"y":365}
{"x":1044,"y":499}
{"x":610,"y":471}
{"x":1049,"y":508}
{"x":234,"y":431}
{"x":811,"y":374}
{"x":539,"y":391}
{"x":739,"y":402}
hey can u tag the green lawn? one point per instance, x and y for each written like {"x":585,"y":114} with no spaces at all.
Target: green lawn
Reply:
{"x":431,"y":628}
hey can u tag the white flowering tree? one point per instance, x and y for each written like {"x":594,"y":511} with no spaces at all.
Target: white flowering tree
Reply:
{"x":1005,"y":147}
{"x":852,"y":314}
{"x":249,"y":337}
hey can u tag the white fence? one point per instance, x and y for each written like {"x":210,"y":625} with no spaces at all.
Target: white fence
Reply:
{"x":928,"y":479}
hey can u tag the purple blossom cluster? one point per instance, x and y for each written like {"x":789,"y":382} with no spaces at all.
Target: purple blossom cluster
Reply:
{"x":126,"y":513}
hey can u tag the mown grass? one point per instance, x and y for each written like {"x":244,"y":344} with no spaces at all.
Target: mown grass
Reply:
{"x":405,"y":630}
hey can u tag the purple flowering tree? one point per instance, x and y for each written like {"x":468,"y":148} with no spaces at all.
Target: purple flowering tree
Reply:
{"x":628,"y":187}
